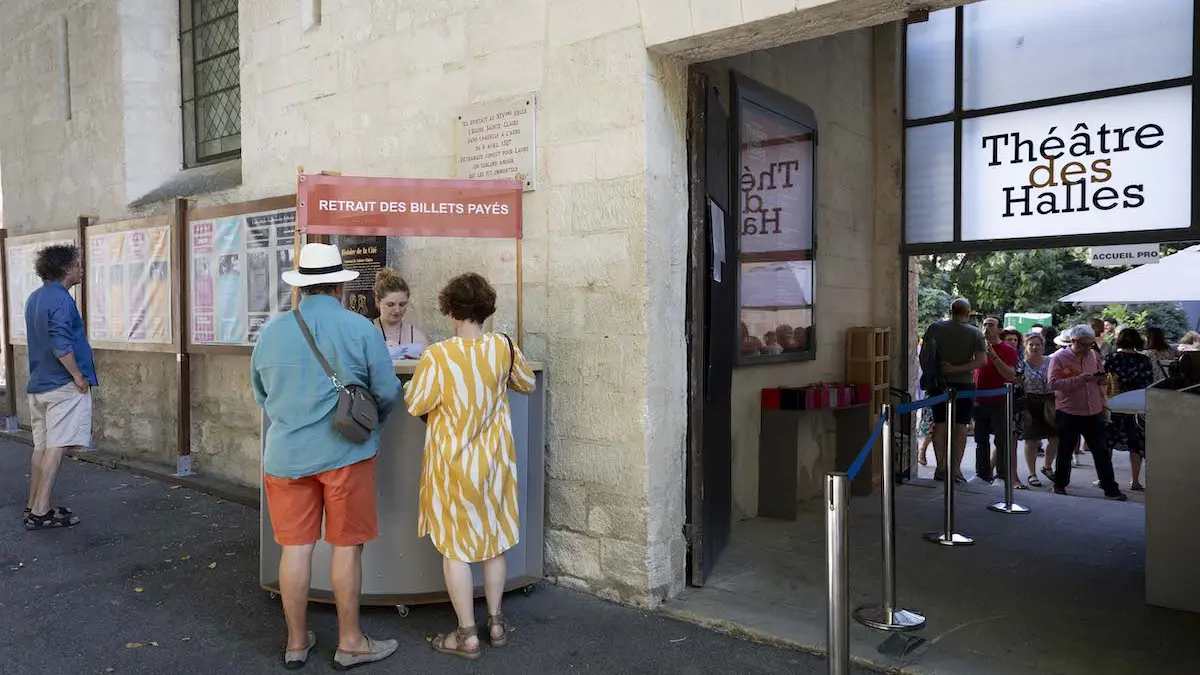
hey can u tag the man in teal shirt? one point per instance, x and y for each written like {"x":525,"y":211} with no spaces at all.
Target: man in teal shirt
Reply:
{"x":311,"y":470}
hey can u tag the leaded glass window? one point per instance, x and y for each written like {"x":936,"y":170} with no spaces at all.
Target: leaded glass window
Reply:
{"x":212,"y":96}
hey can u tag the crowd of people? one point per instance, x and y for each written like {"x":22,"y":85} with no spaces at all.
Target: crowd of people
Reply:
{"x":322,"y":374}
{"x":1061,"y":386}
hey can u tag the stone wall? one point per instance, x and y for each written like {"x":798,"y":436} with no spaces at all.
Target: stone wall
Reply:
{"x":56,"y":169}
{"x":375,"y":89}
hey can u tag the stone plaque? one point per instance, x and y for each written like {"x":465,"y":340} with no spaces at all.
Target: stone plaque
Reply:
{"x":496,"y":142}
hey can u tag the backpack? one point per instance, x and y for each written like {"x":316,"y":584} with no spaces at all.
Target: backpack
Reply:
{"x":931,"y":367}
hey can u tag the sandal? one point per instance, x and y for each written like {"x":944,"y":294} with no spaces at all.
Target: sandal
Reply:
{"x":1048,"y":473}
{"x":1020,"y":486}
{"x":1034,"y":481}
{"x":461,"y":635}
{"x":494,"y":621}
{"x":53,"y":518}
{"x":1137,"y":487}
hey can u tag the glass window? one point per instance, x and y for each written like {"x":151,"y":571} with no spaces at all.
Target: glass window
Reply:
{"x":212,"y":95}
{"x":930,"y":66}
{"x":776,"y":181}
{"x":1028,"y":50}
{"x":929,"y":184}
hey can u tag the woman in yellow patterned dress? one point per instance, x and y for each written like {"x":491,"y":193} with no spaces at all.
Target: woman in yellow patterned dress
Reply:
{"x":468,"y":501}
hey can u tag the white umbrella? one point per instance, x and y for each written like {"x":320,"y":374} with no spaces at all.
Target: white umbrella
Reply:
{"x":1175,"y":278}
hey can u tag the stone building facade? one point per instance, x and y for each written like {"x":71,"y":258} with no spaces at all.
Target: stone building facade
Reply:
{"x":372,"y":89}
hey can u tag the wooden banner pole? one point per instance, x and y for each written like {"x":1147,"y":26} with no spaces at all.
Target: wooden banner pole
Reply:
{"x":10,"y":368}
{"x":181,"y":325}
{"x":81,"y":224}
{"x":296,"y":243}
{"x":520,"y":293}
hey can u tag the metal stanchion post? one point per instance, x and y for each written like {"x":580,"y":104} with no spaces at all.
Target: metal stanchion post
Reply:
{"x":837,"y":503}
{"x":888,"y":616}
{"x":948,"y":537}
{"x":1007,"y":506}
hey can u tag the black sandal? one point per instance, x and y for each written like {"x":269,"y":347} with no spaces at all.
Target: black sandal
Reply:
{"x":494,"y":621}
{"x":53,"y":518}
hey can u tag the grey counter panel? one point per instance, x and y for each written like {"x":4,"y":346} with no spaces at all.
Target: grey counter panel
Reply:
{"x":400,"y":568}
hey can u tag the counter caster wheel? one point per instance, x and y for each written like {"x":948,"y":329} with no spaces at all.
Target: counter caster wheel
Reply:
{"x":402,"y":610}
{"x":528,"y":589}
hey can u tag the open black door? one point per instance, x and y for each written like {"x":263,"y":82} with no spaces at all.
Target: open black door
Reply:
{"x":712,"y":329}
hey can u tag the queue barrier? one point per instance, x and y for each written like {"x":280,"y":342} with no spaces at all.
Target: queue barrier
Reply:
{"x":888,"y":615}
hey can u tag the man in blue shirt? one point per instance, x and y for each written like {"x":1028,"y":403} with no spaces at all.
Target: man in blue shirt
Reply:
{"x":61,"y":375}
{"x":310,"y":469}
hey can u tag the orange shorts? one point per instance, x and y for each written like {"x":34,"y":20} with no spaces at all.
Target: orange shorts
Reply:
{"x":345,"y":497}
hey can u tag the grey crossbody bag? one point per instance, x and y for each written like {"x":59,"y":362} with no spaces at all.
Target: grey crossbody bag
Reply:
{"x":357,"y":413}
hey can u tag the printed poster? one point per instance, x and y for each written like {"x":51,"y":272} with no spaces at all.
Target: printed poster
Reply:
{"x":231,"y":310}
{"x":129,"y":299}
{"x":23,"y":281}
{"x":366,"y":255}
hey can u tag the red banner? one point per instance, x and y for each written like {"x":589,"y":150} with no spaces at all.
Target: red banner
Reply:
{"x":408,"y":207}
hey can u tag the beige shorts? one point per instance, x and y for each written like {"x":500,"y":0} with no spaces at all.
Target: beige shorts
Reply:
{"x":62,"y":418}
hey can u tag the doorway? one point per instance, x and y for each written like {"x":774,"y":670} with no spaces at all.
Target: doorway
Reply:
{"x":711,"y":317}
{"x":752,"y":297}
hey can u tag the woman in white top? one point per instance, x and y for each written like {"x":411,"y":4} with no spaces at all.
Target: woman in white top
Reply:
{"x":404,"y":340}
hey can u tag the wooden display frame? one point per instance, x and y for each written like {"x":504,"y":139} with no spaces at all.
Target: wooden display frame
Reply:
{"x":121,"y":226}
{"x":25,"y":240}
{"x":208,"y":213}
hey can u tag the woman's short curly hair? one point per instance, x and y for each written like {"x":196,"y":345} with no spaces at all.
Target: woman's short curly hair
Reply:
{"x":53,"y":261}
{"x":468,"y":297}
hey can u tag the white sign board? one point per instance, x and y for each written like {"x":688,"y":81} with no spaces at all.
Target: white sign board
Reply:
{"x":1120,"y":256}
{"x":497,"y":142}
{"x":1117,"y":164}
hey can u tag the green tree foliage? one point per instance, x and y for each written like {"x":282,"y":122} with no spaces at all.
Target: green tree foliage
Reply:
{"x":1028,"y":281}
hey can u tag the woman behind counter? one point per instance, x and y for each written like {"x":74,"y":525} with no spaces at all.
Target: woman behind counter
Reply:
{"x":468,"y":501}
{"x":404,"y":340}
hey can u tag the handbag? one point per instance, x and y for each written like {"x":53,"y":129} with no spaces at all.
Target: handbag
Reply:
{"x":1040,"y":406}
{"x":512,"y":362}
{"x":357,"y":412}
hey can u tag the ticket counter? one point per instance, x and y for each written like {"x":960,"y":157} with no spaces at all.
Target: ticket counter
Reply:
{"x":398,"y":567}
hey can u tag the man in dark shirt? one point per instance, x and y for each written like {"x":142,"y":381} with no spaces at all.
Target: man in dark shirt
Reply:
{"x":955,"y":349}
{"x":61,"y":375}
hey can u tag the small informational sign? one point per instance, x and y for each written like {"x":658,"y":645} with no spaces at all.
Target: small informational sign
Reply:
{"x":496,"y":142}
{"x":717,"y":225}
{"x":1120,"y":256}
{"x":365,"y":255}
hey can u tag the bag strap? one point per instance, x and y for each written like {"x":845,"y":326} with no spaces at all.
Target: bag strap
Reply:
{"x":313,"y":344}
{"x":512,"y":358}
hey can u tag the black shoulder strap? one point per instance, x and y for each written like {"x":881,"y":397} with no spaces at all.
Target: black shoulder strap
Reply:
{"x":512,"y":354}
{"x":313,"y":344}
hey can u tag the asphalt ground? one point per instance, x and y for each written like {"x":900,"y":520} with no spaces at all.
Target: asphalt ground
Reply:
{"x":163,"y":580}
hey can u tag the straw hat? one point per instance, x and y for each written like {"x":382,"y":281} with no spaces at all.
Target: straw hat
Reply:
{"x":319,"y":264}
